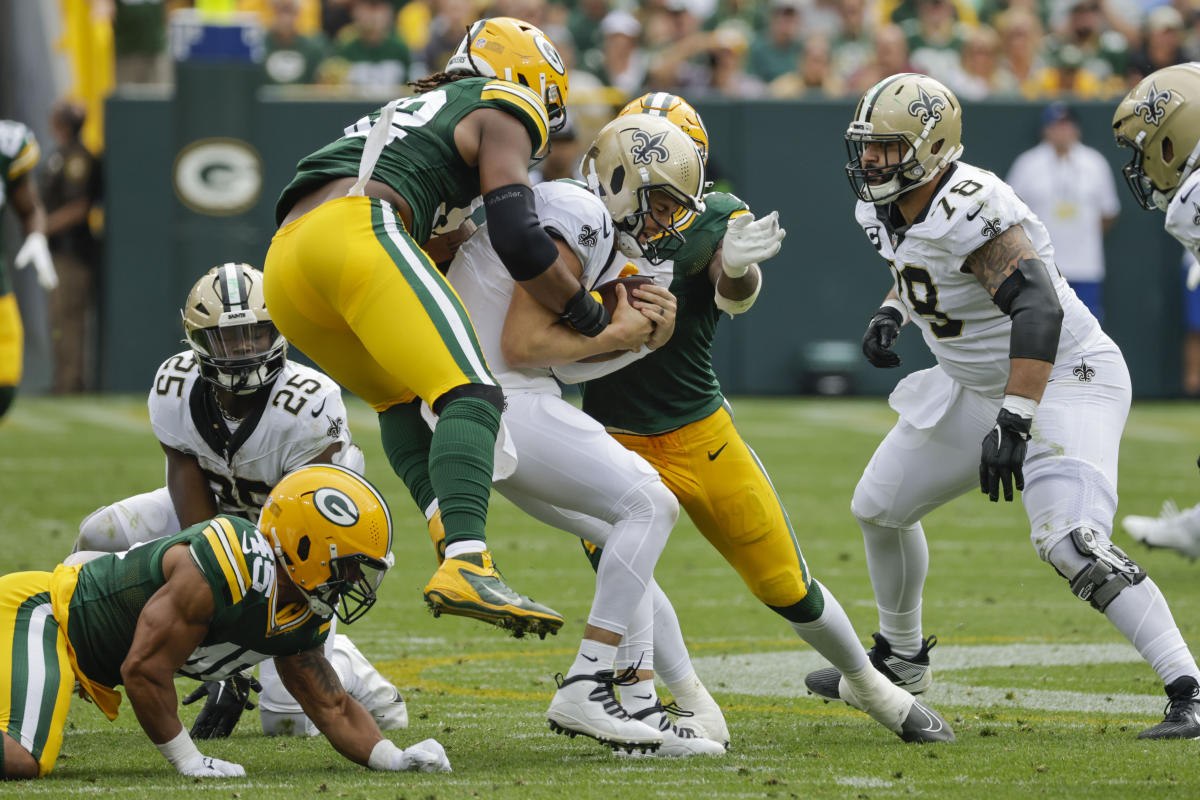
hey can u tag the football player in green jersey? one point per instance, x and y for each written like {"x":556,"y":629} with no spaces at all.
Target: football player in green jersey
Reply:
{"x":208,"y":602}
{"x":349,"y":283}
{"x":18,"y":154}
{"x":668,"y":408}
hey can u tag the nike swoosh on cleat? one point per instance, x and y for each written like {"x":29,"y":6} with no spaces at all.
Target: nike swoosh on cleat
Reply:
{"x":934,"y":724}
{"x":500,"y":597}
{"x":713,"y":456}
{"x":320,"y":408}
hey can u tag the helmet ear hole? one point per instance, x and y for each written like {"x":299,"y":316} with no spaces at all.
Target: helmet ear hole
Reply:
{"x":1168,"y":150}
{"x":302,"y":548}
{"x":618,"y":179}
{"x":937,"y":146}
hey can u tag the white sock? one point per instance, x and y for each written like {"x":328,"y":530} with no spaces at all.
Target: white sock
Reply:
{"x":593,"y":657}
{"x":640,"y":695}
{"x":464,"y":546}
{"x":898,"y":561}
{"x":637,"y":645}
{"x":832,"y":635}
{"x":1141,"y":613}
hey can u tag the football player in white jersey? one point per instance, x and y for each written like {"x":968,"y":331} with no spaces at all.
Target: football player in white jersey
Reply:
{"x":1159,"y":120}
{"x":1022,"y":366}
{"x":233,"y":415}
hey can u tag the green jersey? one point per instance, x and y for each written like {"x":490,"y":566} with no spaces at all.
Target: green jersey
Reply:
{"x":246,"y":626}
{"x":420,"y":161}
{"x":675,"y":384}
{"x":18,"y":154}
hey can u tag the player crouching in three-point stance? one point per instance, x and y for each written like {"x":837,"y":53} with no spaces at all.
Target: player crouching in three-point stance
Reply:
{"x":348,"y":282}
{"x":1023,"y":366}
{"x":208,"y":602}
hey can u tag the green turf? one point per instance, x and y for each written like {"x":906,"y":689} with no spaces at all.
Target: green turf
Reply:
{"x":1056,"y":730}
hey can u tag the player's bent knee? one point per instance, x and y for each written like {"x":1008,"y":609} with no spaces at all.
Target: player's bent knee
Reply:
{"x":1096,"y":569}
{"x":16,"y":763}
{"x":102,"y":531}
{"x":493,"y":395}
{"x":658,"y":502}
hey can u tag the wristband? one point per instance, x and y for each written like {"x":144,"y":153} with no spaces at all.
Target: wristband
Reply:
{"x":735,"y":272}
{"x":179,"y":750}
{"x":1023,"y":407}
{"x":385,"y":756}
{"x":892,"y":302}
{"x":585,"y":314}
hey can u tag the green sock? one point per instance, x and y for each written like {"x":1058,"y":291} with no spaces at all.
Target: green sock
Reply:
{"x":460,"y":465}
{"x":7,"y":393}
{"x":406,"y":439}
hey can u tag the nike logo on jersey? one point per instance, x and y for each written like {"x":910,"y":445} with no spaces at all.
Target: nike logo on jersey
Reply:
{"x":713,"y":456}
{"x":1191,"y":189}
{"x":973,"y":214}
{"x":604,"y":225}
{"x":317,"y":412}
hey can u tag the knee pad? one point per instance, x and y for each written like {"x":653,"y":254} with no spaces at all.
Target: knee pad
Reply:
{"x":102,"y":530}
{"x":1096,"y":569}
{"x":493,"y":395}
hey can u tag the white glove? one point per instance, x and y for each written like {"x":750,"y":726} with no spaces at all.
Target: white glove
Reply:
{"x":426,"y":756}
{"x":184,"y":756}
{"x":35,"y":250}
{"x":749,"y":241}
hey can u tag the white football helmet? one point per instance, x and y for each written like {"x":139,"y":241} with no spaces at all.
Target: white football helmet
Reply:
{"x":1160,"y":121}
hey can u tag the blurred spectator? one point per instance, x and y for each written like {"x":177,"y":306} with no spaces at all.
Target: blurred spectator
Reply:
{"x":682,"y":61}
{"x":813,"y":74}
{"x":584,"y":25}
{"x":1191,"y":327}
{"x":853,"y":44}
{"x":981,"y":75}
{"x":728,"y":75}
{"x":449,"y":24}
{"x":624,"y":62}
{"x":1105,"y":51}
{"x":901,"y":11}
{"x":776,"y":49}
{"x":934,"y":38}
{"x":139,"y":39}
{"x":1163,"y":44}
{"x":1070,"y":187}
{"x":989,"y":10}
{"x":291,"y":57}
{"x":369,"y":54}
{"x":1191,"y":39}
{"x":750,"y":13}
{"x":71,"y":187}
{"x":563,"y":160}
{"x":335,"y":15}
{"x":1021,"y":43}
{"x":890,"y":57}
{"x":532,"y":11}
{"x":1066,"y":77}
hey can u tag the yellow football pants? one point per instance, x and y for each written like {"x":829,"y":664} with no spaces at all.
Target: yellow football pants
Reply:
{"x":36,"y":679}
{"x":347,"y":285}
{"x":11,"y":338}
{"x":726,"y":492}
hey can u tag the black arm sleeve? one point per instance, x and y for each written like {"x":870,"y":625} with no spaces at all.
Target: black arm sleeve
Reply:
{"x":1028,"y":297}
{"x":525,"y":249}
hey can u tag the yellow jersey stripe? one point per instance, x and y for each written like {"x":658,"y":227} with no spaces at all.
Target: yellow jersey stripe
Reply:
{"x":525,"y":101}
{"x":239,"y":558}
{"x":26,"y":159}
{"x":216,"y":543}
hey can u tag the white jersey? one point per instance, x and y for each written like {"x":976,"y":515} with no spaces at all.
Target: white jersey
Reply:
{"x":572,"y":214}
{"x":1183,"y":214}
{"x":967,"y":333}
{"x":303,"y":415}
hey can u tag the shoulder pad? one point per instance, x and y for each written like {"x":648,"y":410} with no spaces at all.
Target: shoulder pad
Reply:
{"x":973,"y":208}
{"x":524,"y":104}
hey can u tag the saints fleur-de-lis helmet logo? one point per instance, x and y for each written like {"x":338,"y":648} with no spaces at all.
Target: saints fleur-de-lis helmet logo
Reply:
{"x":927,"y":106}
{"x":1153,"y":107}
{"x":647,"y":149}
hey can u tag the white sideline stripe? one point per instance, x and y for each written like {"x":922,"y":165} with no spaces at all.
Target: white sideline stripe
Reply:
{"x":781,"y":674}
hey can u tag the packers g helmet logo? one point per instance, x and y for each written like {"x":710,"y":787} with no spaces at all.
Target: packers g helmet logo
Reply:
{"x":927,"y":106}
{"x":647,"y":149}
{"x":335,"y":506}
{"x":1154,"y":107}
{"x":549,"y":53}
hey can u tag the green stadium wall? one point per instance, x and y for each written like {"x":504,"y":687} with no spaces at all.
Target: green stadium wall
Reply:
{"x":820,"y":290}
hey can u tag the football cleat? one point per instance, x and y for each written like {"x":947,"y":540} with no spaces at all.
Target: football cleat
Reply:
{"x":897,"y":710}
{"x":469,"y":585}
{"x":678,"y":742}
{"x":911,"y":673}
{"x":437,"y":533}
{"x":1182,"y":714}
{"x":1172,"y":529}
{"x":585,"y":704}
{"x":701,"y":714}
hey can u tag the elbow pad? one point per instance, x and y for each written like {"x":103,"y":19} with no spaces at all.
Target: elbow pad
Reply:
{"x":525,"y":249}
{"x":735,"y":307}
{"x":1028,"y":297}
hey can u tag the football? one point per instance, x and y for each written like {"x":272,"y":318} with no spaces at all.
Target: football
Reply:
{"x":606,"y":292}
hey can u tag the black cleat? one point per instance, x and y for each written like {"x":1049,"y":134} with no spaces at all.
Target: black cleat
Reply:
{"x":1182,"y":714}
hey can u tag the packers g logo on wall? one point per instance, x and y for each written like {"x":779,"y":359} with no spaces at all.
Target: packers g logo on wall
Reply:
{"x":647,"y":149}
{"x":218,"y":177}
{"x":335,"y":506}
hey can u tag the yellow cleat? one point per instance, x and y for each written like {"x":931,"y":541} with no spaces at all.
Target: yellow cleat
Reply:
{"x":438,"y":534}
{"x":470,"y":586}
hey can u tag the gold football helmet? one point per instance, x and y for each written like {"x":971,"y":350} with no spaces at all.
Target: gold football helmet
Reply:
{"x":332,"y":532}
{"x":634,"y":156}
{"x":1160,"y":121}
{"x":677,"y":110}
{"x":513,"y":50}
{"x":237,"y":346}
{"x":920,"y":115}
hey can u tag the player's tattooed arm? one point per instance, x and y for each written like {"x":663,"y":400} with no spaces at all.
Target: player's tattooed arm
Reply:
{"x":314,"y":683}
{"x":994,"y":261}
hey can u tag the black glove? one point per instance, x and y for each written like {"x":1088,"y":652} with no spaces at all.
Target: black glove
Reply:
{"x":1003,"y":455}
{"x":225,"y":701}
{"x":881,"y":335}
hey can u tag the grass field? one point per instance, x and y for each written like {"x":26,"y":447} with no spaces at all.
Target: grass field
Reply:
{"x":1045,"y":696}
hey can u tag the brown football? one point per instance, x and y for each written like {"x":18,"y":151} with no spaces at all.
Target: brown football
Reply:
{"x":606,"y":292}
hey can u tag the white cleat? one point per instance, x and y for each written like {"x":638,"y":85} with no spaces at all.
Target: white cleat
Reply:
{"x":897,"y":710}
{"x":700,"y":712}
{"x":678,"y":742}
{"x":1172,"y":529}
{"x":585,"y":704}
